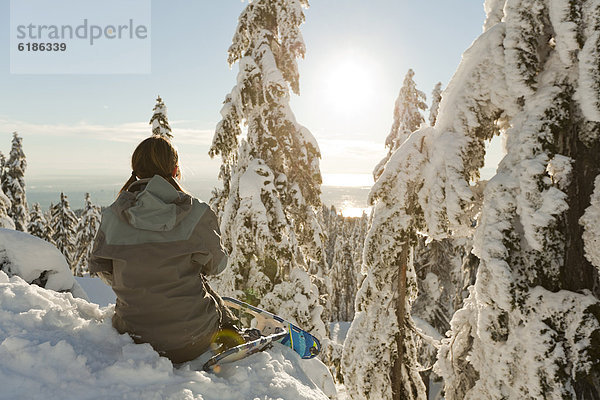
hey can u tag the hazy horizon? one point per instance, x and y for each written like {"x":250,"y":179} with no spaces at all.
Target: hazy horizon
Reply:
{"x":104,"y":191}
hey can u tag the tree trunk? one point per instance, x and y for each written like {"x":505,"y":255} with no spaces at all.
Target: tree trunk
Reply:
{"x":577,"y":273}
{"x":396,"y":376}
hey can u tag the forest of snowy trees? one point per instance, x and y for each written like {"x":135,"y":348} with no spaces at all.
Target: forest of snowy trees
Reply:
{"x":487,"y":286}
{"x":73,"y":235}
{"x":454,"y":286}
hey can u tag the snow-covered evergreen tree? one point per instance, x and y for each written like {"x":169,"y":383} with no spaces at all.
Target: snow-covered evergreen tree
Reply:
{"x":13,"y":184}
{"x":344,"y":270}
{"x":358,"y":239}
{"x":333,"y":230}
{"x":64,"y":222}
{"x":86,"y":230}
{"x":38,"y":224}
{"x":338,"y":267}
{"x":380,"y":360}
{"x":407,"y":118}
{"x":159,"y":121}
{"x":381,"y":326}
{"x":436,"y":96}
{"x":439,"y":277}
{"x":5,"y":220}
{"x":328,"y":221}
{"x":533,"y":312}
{"x":445,"y":270}
{"x":271,"y":179}
{"x":344,"y":245}
{"x":48,"y":212}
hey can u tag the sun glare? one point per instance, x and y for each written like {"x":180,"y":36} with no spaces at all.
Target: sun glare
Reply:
{"x":354,"y":212}
{"x":349,"y":210}
{"x":348,"y":86}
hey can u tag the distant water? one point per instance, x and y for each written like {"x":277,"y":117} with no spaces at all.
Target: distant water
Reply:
{"x":104,"y":193}
{"x":345,"y":196}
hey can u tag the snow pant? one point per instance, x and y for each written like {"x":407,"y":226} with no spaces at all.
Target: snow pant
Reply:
{"x":227,"y":335}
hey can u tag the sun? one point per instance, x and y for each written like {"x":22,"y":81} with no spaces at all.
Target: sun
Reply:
{"x":349,"y":83}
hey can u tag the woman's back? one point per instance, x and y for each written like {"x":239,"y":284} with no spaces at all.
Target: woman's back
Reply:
{"x":157,"y":242}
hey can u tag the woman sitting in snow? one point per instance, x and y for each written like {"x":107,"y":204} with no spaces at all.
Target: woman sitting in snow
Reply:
{"x":154,"y":247}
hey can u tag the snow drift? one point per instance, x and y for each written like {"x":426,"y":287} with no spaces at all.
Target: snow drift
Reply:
{"x":57,"y":346}
{"x":36,"y":261}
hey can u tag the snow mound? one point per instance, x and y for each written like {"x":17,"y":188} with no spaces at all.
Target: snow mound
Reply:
{"x":36,"y":261}
{"x":55,"y":346}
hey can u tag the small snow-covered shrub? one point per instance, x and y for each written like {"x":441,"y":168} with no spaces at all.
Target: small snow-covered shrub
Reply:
{"x":37,"y":262}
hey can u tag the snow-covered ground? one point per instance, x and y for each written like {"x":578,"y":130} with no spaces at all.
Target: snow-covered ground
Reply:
{"x":56,"y":346}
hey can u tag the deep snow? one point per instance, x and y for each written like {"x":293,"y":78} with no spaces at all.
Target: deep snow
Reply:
{"x":56,"y":346}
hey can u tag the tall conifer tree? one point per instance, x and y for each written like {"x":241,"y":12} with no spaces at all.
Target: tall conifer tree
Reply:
{"x":159,"y":121}
{"x":13,"y":184}
{"x":64,"y":221}
{"x":381,"y":326}
{"x":530,"y":328}
{"x":271,"y":179}
{"x":436,"y":97}
{"x":407,"y":118}
{"x":5,"y":220}
{"x":380,"y":358}
{"x":38,"y":224}
{"x":86,"y":230}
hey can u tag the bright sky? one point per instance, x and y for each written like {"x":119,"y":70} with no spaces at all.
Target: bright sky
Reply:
{"x":358,"y":52}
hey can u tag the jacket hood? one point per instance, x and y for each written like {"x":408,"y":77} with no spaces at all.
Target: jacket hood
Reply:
{"x":154,"y":208}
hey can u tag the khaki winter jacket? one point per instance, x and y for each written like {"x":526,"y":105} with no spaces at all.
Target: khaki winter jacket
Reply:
{"x":154,"y":246}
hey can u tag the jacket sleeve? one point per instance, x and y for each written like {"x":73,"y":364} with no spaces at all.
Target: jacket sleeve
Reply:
{"x":97,"y":263}
{"x":212,"y":258}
